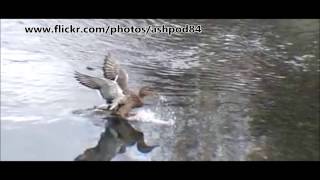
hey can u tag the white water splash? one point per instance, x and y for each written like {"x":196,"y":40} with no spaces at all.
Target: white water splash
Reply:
{"x":132,"y":154}
{"x":162,"y":98}
{"x":146,"y":115}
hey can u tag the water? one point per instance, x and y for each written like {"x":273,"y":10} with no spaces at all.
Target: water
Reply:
{"x":240,"y":90}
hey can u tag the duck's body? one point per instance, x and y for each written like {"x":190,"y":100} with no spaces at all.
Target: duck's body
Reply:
{"x":113,"y":71}
{"x":114,"y":88}
{"x":107,"y":88}
{"x":133,"y":101}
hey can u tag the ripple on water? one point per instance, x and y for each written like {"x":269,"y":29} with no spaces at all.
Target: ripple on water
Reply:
{"x":206,"y":81}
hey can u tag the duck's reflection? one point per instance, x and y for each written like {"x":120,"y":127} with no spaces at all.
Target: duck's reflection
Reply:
{"x":117,"y":136}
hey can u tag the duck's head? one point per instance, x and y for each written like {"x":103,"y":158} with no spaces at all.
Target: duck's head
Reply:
{"x":146,"y":91}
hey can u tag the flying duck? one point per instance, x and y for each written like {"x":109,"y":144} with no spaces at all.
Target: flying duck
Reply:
{"x":108,"y":89}
{"x":113,"y":71}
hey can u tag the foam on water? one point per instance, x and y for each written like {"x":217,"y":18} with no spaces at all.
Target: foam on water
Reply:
{"x":146,"y":115}
{"x":132,"y":154}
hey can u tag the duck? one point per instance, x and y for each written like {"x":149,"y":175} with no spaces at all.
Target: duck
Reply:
{"x":114,"y":88}
{"x":108,"y":89}
{"x":114,"y":72}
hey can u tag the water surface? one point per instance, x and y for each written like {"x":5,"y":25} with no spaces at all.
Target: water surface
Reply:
{"x":240,"y":90}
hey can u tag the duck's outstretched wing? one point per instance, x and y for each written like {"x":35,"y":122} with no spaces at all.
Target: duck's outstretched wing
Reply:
{"x":111,"y":69}
{"x":107,"y":88}
{"x":89,"y":81}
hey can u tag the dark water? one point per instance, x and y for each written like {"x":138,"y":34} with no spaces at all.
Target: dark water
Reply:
{"x":240,"y":90}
